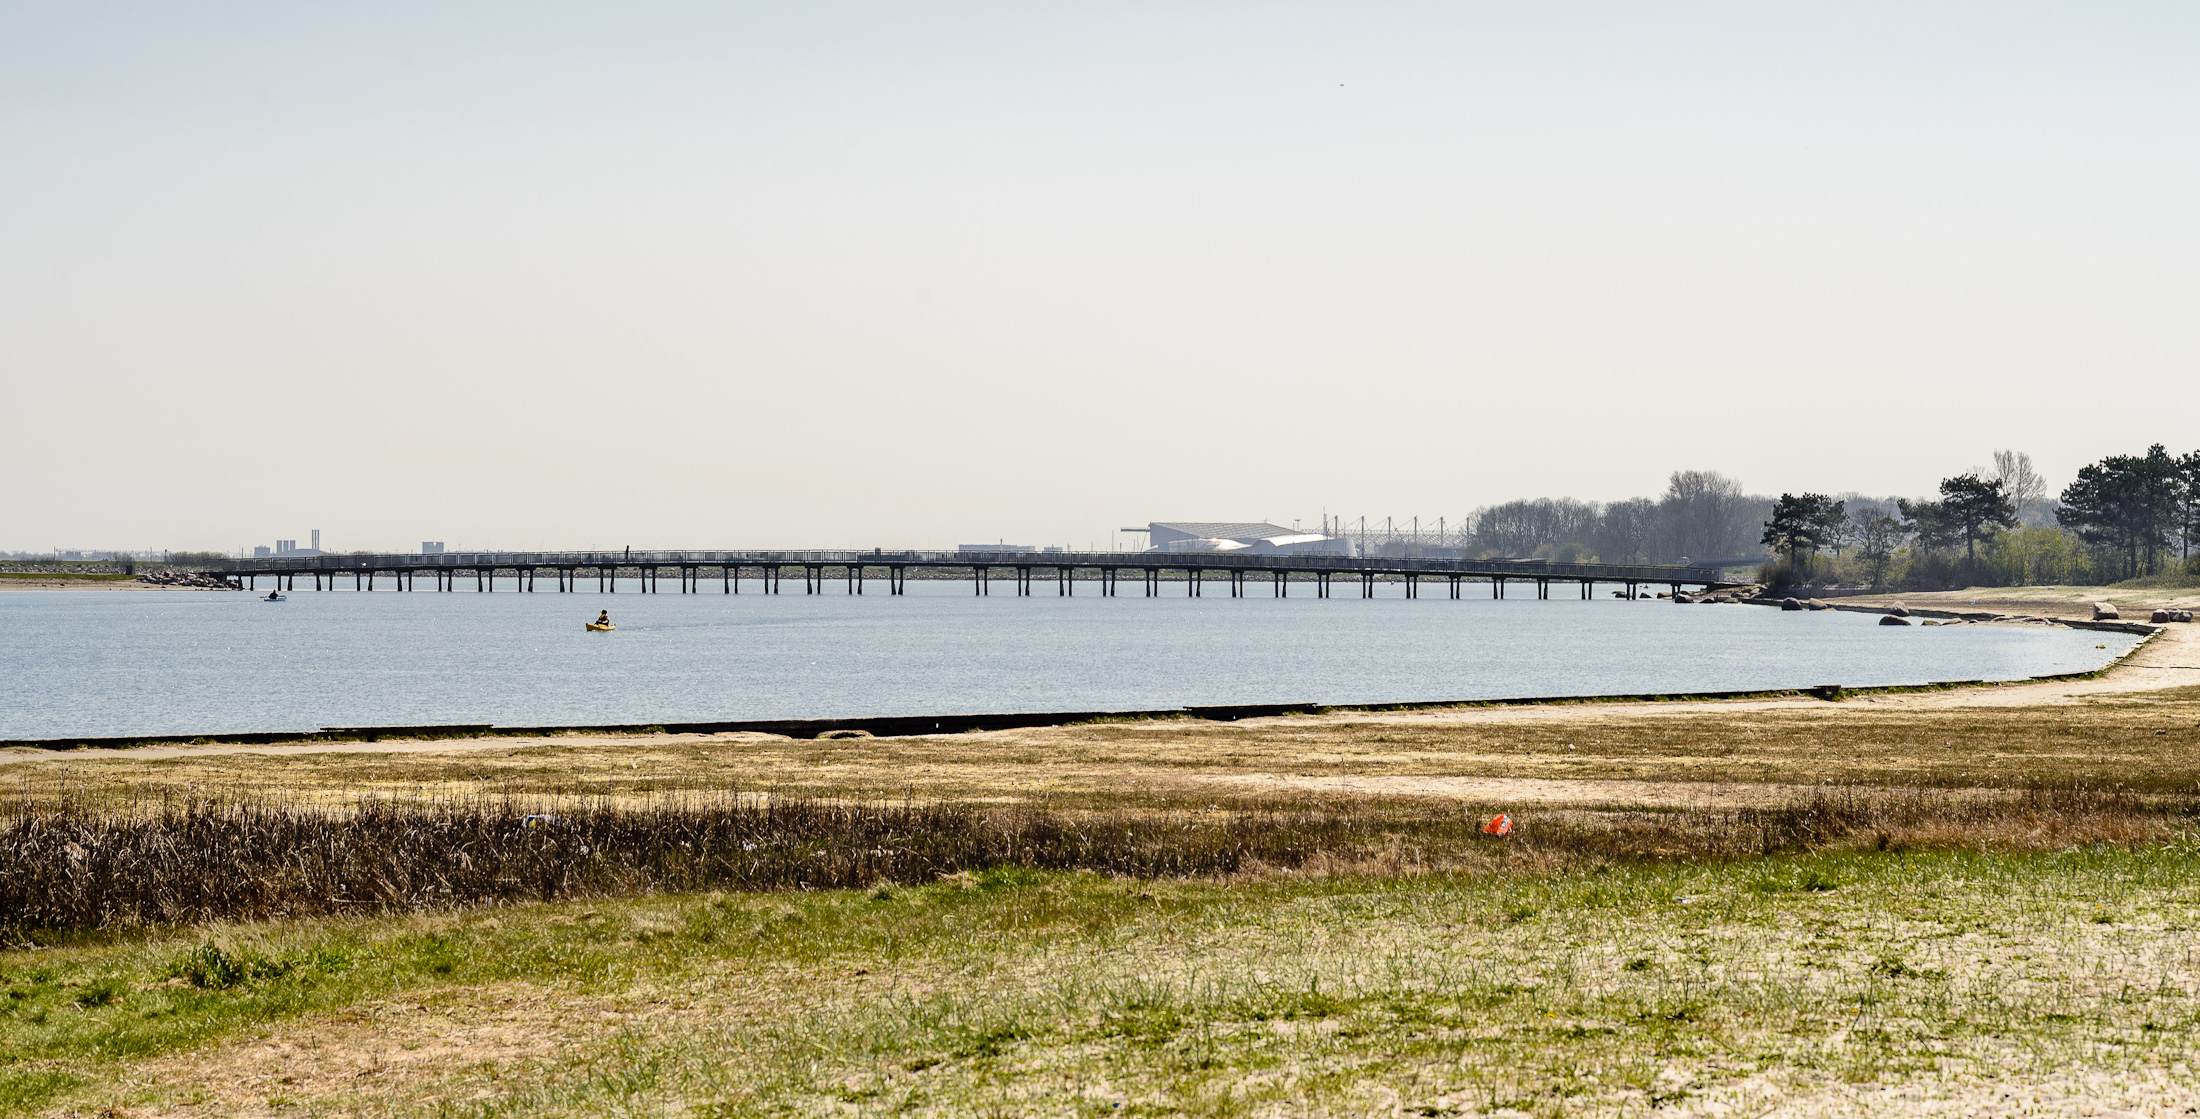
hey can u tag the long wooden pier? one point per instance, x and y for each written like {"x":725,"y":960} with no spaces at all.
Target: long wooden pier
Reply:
{"x":1238,"y":573}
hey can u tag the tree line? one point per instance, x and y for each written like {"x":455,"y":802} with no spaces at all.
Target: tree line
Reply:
{"x":2124,"y":517}
{"x":1702,"y":515}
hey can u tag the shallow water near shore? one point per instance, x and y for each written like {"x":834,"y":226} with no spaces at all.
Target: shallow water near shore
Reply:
{"x":113,"y":663}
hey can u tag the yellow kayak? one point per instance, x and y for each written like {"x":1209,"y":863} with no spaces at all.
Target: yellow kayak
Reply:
{"x":602,"y":627}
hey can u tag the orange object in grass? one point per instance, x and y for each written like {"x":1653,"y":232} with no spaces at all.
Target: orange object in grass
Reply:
{"x":1503,"y":825}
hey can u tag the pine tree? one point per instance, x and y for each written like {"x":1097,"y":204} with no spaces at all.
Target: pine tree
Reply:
{"x":1975,"y":505}
{"x":1801,"y":525}
{"x":2127,"y":502}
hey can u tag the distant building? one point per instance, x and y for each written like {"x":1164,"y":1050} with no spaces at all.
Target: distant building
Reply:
{"x":261,"y":551}
{"x":431,"y":547}
{"x":1010,"y":549}
{"x":1233,"y":536}
{"x":291,"y":548}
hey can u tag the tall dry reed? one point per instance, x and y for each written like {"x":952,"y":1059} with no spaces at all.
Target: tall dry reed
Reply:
{"x":69,"y":864}
{"x":64,"y":864}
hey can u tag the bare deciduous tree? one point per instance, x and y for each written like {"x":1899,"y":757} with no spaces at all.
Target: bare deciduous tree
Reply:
{"x":1705,"y":514}
{"x":2021,"y":484}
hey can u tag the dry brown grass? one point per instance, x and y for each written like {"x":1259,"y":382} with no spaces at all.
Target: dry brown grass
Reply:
{"x":2145,"y":741}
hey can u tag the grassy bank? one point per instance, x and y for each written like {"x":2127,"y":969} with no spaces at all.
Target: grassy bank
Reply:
{"x":1810,"y":981}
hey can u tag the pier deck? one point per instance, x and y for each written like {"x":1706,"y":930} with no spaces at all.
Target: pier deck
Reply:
{"x":1239,"y":574}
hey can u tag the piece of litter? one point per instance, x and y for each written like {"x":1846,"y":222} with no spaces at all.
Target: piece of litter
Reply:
{"x":1502,"y":825}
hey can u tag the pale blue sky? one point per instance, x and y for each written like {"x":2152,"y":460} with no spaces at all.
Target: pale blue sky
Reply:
{"x":855,"y":275}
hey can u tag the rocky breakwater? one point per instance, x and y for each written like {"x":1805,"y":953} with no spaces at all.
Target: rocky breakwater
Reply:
{"x":1749,"y":593}
{"x":198,"y":580}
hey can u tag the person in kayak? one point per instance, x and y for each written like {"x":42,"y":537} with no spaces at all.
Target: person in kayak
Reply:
{"x":604,"y":618}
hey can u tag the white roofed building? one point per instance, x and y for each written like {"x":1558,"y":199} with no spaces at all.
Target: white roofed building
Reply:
{"x":1238,"y":536}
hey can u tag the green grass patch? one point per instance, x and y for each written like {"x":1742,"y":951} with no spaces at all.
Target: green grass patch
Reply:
{"x":1607,"y":990}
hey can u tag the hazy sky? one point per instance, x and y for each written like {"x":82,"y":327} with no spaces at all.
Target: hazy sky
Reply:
{"x":918,"y":274}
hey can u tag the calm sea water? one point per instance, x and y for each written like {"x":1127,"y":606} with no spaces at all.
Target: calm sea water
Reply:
{"x":98,"y":663}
